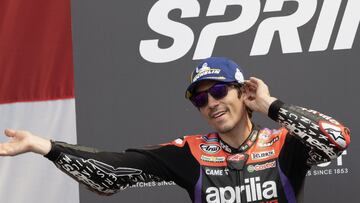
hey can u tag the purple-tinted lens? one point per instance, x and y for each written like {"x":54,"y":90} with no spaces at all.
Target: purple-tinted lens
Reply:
{"x":200,"y":99}
{"x":218,"y":91}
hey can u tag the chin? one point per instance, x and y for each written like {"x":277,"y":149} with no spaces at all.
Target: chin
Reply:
{"x":224,"y":129}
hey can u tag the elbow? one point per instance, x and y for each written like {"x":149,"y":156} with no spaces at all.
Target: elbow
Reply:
{"x":338,"y":135}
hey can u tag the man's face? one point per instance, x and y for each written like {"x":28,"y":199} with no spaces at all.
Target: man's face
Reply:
{"x":223,"y":114}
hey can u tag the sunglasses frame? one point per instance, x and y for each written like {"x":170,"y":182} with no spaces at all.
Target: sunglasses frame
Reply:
{"x":208,"y":91}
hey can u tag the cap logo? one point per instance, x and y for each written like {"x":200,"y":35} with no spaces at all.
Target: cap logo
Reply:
{"x":204,"y":67}
{"x":205,"y":70}
{"x":239,"y":76}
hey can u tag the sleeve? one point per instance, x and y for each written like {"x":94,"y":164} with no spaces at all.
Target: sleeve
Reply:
{"x":324,"y":137}
{"x":108,"y":172}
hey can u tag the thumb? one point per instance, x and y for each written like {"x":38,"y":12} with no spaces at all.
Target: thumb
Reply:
{"x":10,"y":132}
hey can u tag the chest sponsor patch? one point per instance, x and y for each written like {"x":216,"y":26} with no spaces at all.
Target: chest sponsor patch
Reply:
{"x":236,"y":157}
{"x":237,"y":161}
{"x":213,"y":159}
{"x":254,"y":189}
{"x":260,"y":167}
{"x":262,"y":155}
{"x":210,"y":148}
{"x":216,"y":171}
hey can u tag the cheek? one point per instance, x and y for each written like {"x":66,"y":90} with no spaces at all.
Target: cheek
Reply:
{"x":237,"y":108}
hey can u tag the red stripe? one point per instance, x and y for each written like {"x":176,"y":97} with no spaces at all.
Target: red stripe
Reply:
{"x":35,"y":50}
{"x":37,"y":100}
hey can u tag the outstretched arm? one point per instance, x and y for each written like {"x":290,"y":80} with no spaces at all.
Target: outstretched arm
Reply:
{"x":22,"y":142}
{"x":101,"y":172}
{"x":105,"y":172}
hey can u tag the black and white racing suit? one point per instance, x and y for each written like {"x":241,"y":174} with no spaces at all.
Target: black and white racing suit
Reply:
{"x":270,"y":166}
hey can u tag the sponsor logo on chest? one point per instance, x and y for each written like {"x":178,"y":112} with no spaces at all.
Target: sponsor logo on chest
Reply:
{"x":260,"y":167}
{"x":253,"y":189}
{"x":262,"y":155}
{"x":213,"y":159}
{"x":210,"y":148}
{"x":216,"y":171}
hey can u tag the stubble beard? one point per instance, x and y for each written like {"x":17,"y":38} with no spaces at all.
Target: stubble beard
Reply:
{"x":224,"y":129}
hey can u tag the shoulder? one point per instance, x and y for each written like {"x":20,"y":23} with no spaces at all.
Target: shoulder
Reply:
{"x":267,"y":135}
{"x":194,"y":139}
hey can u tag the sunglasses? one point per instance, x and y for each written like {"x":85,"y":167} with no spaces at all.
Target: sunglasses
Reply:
{"x":217,"y":91}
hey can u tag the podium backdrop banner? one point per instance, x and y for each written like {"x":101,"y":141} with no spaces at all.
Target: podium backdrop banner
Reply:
{"x":133,"y":61}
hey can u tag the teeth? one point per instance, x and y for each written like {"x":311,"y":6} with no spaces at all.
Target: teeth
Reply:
{"x":218,"y":114}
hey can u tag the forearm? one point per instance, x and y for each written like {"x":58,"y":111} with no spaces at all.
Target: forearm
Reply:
{"x":102,"y":172}
{"x":326,"y":136}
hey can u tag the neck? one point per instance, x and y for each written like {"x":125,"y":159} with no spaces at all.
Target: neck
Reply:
{"x":236,"y":137}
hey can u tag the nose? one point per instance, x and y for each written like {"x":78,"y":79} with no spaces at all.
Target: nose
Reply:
{"x":212,"y":103}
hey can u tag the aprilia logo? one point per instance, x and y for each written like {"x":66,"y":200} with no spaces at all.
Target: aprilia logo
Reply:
{"x":287,"y":27}
{"x":253,"y":189}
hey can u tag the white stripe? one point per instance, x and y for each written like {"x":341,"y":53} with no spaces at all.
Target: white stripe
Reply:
{"x":31,"y":177}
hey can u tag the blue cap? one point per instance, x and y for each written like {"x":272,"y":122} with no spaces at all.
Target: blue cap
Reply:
{"x":217,"y":69}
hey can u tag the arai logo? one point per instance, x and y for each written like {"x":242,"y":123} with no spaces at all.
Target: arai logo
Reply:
{"x":210,"y":148}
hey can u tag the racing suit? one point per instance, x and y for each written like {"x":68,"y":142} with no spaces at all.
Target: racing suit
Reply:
{"x":270,"y":166}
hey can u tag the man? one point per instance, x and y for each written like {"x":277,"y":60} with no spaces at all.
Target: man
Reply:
{"x":239,"y":162}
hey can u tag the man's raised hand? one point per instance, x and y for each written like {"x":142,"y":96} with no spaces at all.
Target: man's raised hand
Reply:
{"x":257,"y":95}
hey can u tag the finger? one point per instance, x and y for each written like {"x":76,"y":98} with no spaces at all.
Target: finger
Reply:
{"x":251,"y":87}
{"x":246,"y":91}
{"x":10,"y":132}
{"x":249,"y":94}
{"x":251,"y":84}
{"x":255,"y":79}
{"x":260,"y":84}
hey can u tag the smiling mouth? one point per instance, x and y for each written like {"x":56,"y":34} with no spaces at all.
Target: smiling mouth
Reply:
{"x":217,"y":114}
